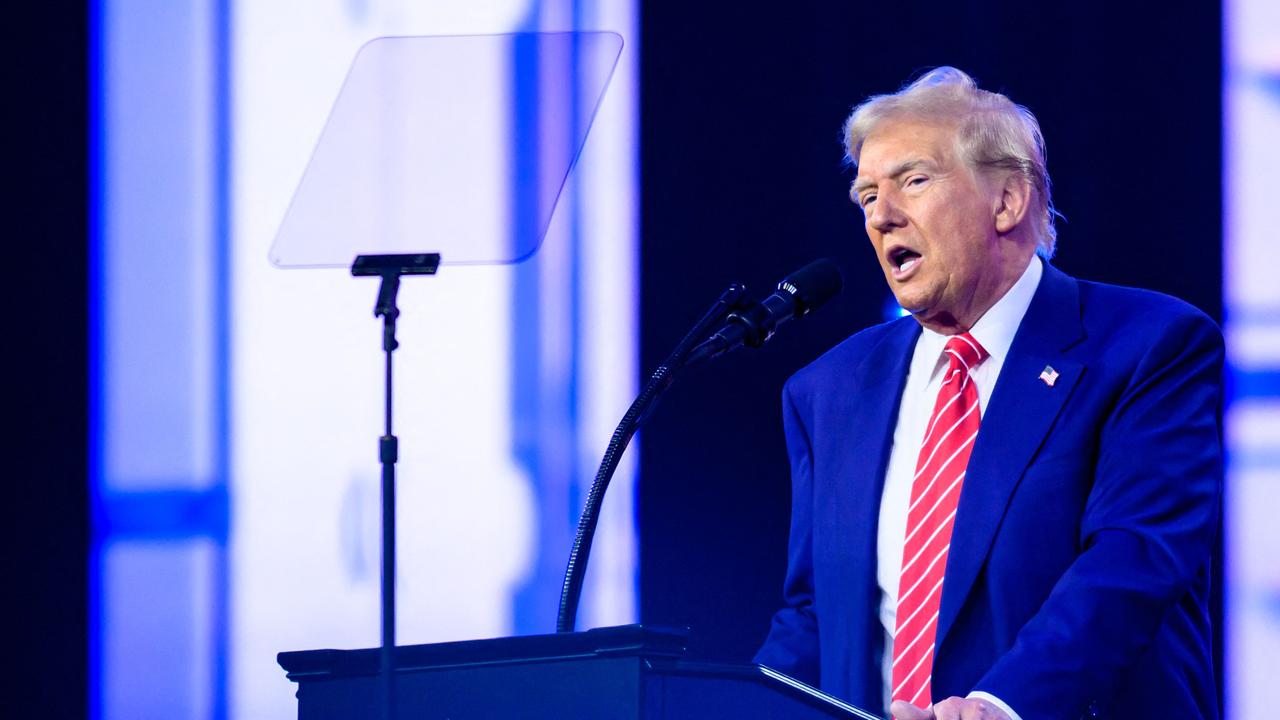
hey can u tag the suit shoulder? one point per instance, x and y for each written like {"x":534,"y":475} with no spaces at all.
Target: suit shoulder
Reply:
{"x":845,"y":356}
{"x":1142,"y":312}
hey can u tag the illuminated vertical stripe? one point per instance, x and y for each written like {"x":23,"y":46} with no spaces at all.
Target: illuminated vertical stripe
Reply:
{"x":609,"y":312}
{"x":158,"y":360}
{"x":1251,"y":172}
{"x":574,"y":319}
{"x":220,"y":590}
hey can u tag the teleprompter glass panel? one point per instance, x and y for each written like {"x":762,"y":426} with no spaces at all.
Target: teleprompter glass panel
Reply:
{"x":429,"y":148}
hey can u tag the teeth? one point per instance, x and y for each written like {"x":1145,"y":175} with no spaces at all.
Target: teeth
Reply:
{"x":908,"y":264}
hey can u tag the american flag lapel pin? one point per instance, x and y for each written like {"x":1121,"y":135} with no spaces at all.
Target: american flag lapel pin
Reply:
{"x":1049,"y":375}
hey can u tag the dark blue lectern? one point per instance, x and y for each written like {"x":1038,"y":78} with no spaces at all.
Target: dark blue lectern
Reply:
{"x":617,"y":673}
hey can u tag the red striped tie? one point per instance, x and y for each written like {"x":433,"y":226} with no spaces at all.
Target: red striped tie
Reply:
{"x":935,"y":493}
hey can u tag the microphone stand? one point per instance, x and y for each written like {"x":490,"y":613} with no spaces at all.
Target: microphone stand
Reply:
{"x":390,"y":268}
{"x":661,"y":379}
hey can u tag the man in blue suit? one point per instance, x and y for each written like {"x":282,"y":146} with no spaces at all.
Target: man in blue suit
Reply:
{"x":1072,"y":557}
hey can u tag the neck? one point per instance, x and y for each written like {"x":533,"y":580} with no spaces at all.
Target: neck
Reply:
{"x":982,"y":297}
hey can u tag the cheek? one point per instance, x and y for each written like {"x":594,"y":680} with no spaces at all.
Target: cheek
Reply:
{"x":970,"y":221}
{"x":952,"y":234}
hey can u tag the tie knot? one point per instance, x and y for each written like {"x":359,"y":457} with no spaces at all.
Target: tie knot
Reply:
{"x":962,"y":349}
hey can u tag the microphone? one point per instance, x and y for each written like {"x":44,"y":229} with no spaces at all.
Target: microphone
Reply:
{"x":797,"y":294}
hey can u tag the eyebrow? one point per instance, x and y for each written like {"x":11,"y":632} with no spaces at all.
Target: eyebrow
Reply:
{"x":901,"y":168}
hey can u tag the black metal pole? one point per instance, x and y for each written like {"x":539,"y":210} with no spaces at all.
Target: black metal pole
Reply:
{"x":390,"y":268}
{"x":388,"y":454}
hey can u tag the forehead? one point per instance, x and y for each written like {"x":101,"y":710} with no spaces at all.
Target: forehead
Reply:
{"x":895,"y":142}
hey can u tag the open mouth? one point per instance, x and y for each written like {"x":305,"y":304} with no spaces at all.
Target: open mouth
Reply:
{"x":903,"y":260}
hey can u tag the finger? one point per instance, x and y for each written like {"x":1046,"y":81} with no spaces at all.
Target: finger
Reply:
{"x":949,"y":709}
{"x":981,"y":710}
{"x":905,"y":711}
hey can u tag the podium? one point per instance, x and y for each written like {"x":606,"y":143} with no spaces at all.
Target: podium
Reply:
{"x":616,"y":673}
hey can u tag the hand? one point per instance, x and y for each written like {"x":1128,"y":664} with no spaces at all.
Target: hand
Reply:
{"x":953,"y":708}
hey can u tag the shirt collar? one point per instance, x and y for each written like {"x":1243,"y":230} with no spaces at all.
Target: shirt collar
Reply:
{"x":994,"y":331}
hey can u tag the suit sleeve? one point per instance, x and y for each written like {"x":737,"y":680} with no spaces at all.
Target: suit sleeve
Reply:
{"x":792,"y":644}
{"x":1146,"y":534}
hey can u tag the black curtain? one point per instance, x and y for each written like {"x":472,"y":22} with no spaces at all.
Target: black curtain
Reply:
{"x":46,"y":239}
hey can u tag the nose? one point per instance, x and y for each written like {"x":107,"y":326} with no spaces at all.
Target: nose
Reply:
{"x":884,"y":215}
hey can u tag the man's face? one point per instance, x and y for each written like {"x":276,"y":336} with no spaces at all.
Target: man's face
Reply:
{"x":932,"y":222}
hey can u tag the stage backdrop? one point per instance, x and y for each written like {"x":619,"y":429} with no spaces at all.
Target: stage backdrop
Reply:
{"x":233,"y":407}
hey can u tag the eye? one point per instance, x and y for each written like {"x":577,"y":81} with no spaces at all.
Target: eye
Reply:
{"x":915,"y":180}
{"x":867,"y":200}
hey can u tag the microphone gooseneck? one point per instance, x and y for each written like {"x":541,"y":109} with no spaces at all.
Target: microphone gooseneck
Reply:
{"x":741,"y":324}
{"x":576,"y":570}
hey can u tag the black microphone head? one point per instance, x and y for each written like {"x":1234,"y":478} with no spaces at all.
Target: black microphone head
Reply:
{"x":813,"y":284}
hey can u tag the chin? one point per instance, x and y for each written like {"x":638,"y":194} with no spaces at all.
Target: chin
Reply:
{"x":918,"y":298}
{"x":915,"y":307}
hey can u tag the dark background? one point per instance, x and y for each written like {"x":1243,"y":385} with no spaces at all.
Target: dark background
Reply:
{"x":45,"y":493}
{"x":742,"y":181}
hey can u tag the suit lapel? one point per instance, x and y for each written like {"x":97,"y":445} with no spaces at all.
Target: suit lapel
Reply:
{"x":1021,"y":411}
{"x":862,"y":413}
{"x":865,"y":414}
{"x":878,"y":384}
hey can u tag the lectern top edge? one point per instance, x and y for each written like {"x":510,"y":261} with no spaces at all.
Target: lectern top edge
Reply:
{"x":653,"y":642}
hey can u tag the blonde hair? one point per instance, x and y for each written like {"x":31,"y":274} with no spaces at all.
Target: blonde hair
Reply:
{"x":992,"y":132}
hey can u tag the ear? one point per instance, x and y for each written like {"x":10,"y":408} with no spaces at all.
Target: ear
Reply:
{"x":1013,"y":202}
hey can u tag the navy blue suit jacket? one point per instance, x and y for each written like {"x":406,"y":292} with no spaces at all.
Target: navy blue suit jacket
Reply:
{"x":1078,"y":576}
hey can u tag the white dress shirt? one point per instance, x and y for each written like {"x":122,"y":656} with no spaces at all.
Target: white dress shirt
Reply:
{"x":994,"y":331}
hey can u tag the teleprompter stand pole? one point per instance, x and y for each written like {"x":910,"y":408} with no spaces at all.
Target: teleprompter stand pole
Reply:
{"x":390,"y":268}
